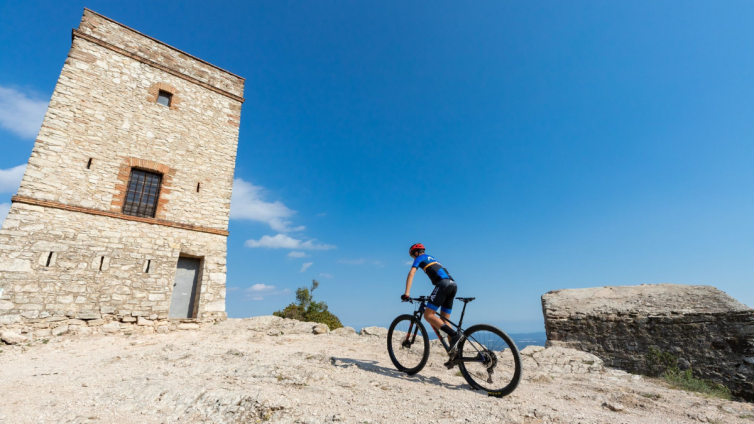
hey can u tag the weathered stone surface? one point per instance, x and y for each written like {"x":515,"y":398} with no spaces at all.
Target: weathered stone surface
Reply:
{"x":44,"y":332}
{"x":703,"y":327}
{"x":112,"y":327}
{"x":9,"y":319}
{"x":144,"y":322}
{"x":344,"y":331}
{"x":88,"y":315}
{"x":320,"y":329}
{"x":217,"y":374}
{"x":188,"y":326}
{"x":66,"y":249}
{"x":61,"y":329}
{"x":273,"y":325}
{"x":15,"y":265}
{"x":374,"y":331}
{"x":11,"y":337}
{"x":559,"y":360}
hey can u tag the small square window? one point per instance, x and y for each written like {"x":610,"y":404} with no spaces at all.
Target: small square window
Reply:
{"x":164,"y":98}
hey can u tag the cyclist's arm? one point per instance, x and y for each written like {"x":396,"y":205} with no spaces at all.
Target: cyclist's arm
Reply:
{"x":410,"y":280}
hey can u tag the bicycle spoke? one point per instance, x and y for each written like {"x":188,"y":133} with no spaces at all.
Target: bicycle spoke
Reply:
{"x":407,"y":344}
{"x":489,"y":360}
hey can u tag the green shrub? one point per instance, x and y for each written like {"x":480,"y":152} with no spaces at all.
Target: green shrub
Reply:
{"x":658,"y":362}
{"x":307,"y":309}
{"x":665,"y":365}
{"x":685,"y":380}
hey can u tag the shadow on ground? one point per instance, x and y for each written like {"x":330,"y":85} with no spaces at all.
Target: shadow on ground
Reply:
{"x":372,"y":366}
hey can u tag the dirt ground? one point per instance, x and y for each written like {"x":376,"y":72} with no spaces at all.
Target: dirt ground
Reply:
{"x":242,"y":371}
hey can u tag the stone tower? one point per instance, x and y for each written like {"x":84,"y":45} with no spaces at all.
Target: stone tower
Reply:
{"x":120,"y":222}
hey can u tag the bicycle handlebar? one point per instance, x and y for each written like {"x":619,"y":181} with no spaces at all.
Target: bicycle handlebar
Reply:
{"x":417,"y":299}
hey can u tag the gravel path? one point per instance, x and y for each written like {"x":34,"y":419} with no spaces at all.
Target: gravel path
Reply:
{"x":242,"y":371}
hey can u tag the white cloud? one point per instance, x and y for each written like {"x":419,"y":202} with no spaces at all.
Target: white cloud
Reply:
{"x":260,"y":291}
{"x":4,"y":208}
{"x":306,"y":266}
{"x":247,"y":203}
{"x":326,"y":275}
{"x":321,"y":214}
{"x":21,"y":114}
{"x":282,"y":241}
{"x":295,"y":254}
{"x":10,"y":178}
{"x":260,"y":288}
{"x":408,"y":263}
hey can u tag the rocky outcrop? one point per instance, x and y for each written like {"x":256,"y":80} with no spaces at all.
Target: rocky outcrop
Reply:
{"x":276,"y":326}
{"x":374,"y":331}
{"x":701,"y":326}
{"x":229,"y":373}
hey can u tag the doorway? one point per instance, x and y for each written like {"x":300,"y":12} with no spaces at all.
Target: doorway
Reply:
{"x":184,"y":288}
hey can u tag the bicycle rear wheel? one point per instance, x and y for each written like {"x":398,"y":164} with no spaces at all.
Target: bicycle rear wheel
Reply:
{"x":408,"y":344}
{"x":490,"y":360}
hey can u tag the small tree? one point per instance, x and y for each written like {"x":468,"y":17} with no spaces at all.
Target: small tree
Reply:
{"x":307,"y":309}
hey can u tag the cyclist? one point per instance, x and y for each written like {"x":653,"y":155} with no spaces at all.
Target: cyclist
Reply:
{"x":441,"y":298}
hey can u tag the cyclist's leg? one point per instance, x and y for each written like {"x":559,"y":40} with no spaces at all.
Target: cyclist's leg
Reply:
{"x":436,"y":300}
{"x":447,"y":305}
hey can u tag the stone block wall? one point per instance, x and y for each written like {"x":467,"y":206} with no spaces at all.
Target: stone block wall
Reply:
{"x":67,"y":252}
{"x":98,"y":266}
{"x":102,"y":109}
{"x":703,"y":327}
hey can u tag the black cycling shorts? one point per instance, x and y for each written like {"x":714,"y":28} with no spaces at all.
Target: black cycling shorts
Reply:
{"x":442,"y":296}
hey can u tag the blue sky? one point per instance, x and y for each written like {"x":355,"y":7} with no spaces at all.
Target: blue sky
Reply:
{"x":531,"y":147}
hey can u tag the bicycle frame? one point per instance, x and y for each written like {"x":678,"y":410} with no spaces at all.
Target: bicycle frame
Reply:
{"x":419,"y":313}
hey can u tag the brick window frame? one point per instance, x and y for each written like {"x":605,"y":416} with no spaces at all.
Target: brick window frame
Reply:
{"x":143,"y":193}
{"x":124,"y":174}
{"x":154,"y":91}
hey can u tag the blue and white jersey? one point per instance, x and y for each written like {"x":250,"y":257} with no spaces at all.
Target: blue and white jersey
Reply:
{"x":432,"y":268}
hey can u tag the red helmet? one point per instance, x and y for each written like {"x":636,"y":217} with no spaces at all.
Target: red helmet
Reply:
{"x":417,"y":246}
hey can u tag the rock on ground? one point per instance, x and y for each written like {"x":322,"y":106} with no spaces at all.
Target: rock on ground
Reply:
{"x":12,"y":338}
{"x":344,"y":331}
{"x":234,"y":372}
{"x":374,"y":331}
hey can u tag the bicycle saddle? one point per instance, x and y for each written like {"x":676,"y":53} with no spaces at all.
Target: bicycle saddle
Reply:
{"x":466,"y":299}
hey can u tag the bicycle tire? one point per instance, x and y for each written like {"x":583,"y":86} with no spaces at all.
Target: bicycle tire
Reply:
{"x":508,"y":358}
{"x":400,"y":327}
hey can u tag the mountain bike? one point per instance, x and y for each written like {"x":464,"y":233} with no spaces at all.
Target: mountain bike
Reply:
{"x":487,"y":357}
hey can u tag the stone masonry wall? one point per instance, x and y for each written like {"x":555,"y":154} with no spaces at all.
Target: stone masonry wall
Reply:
{"x":101,"y":109}
{"x":134,"y":42}
{"x":69,"y":257}
{"x":703,"y":327}
{"x":96,"y":273}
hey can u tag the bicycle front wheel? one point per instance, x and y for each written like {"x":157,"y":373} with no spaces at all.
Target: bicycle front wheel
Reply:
{"x":408,"y":344}
{"x":490,"y":360}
